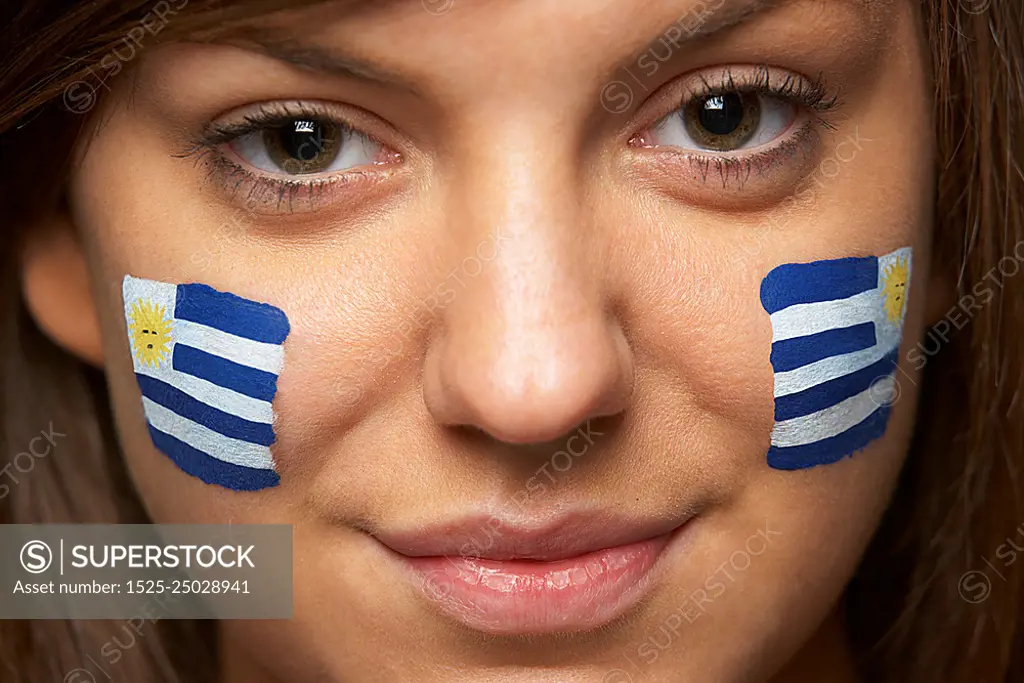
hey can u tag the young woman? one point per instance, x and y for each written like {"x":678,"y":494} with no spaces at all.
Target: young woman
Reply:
{"x":577,"y":341}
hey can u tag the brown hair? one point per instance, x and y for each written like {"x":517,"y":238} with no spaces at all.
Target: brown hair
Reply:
{"x":958,"y":502}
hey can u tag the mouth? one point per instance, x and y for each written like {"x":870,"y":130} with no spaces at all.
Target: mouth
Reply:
{"x":503,"y":578}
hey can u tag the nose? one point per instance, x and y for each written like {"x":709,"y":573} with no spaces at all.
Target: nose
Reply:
{"x":530,"y":346}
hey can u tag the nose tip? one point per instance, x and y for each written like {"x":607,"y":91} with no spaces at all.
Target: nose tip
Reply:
{"x":530,"y":386}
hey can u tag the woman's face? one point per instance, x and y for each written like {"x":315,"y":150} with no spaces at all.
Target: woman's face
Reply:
{"x":526,"y":400}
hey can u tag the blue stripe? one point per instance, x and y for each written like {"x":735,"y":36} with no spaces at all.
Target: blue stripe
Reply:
{"x":806,"y":283}
{"x":791,"y":354}
{"x":834,"y":391}
{"x":233,"y":314}
{"x":188,"y":407}
{"x":209,"y":469}
{"x":832,"y":449}
{"x":241,"y":378}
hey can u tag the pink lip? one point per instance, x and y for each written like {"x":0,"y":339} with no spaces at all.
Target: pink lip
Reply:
{"x":575,"y":575}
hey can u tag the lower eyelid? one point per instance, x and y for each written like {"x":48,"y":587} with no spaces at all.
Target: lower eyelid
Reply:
{"x":261,"y":193}
{"x":732,"y":181}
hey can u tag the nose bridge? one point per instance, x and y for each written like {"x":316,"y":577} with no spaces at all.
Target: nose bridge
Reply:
{"x":532,"y":205}
{"x":514,"y":205}
{"x":527,"y":349}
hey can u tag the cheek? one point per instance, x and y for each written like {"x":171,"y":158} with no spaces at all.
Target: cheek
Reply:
{"x":701,"y":331}
{"x":786,"y":541}
{"x":205,"y":364}
{"x":700,"y":322}
{"x":836,"y":505}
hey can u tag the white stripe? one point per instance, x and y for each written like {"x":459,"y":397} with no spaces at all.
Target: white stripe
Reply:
{"x":807,"y":376}
{"x":162,"y":293}
{"x":221,"y":398}
{"x":800,"y":320}
{"x":204,"y":439}
{"x":830,"y":421}
{"x":259,"y":355}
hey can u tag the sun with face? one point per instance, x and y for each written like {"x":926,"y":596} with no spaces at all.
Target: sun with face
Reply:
{"x":894,"y":290}
{"x":151,"y":333}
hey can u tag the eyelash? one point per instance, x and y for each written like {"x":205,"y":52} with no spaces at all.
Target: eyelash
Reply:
{"x":207,"y":148}
{"x":814,"y":96}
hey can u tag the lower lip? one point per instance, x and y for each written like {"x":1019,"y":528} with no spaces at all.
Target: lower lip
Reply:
{"x":516,"y":597}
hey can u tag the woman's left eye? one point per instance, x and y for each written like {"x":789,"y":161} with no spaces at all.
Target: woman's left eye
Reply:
{"x":306,"y":146}
{"x":726,"y":121}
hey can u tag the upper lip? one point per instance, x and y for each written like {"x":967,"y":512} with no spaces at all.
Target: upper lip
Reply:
{"x":493,"y":538}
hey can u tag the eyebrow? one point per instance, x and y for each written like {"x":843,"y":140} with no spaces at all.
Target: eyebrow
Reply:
{"x":703,"y":19}
{"x":717,"y":16}
{"x":708,"y":17}
{"x":720,"y":15}
{"x":316,"y":58}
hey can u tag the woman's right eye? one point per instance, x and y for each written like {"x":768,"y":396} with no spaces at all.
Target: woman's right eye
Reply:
{"x":305,"y":147}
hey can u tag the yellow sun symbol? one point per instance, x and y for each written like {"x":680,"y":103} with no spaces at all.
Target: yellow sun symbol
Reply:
{"x":151,"y":332}
{"x":894,"y":288}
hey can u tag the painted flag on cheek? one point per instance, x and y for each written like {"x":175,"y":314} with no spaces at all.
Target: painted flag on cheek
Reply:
{"x":207,"y":364}
{"x":836,"y":332}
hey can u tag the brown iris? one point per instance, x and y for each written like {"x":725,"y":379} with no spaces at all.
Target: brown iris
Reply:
{"x":303,"y":146}
{"x":723,"y":121}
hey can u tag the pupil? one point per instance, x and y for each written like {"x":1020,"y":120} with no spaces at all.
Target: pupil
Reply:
{"x":722,"y":114}
{"x":302,"y":140}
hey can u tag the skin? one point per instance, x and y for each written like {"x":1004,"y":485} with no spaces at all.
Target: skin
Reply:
{"x":616,"y":284}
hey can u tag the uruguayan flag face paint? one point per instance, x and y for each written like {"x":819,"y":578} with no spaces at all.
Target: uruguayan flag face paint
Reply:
{"x":836,"y":331}
{"x":207,"y":364}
